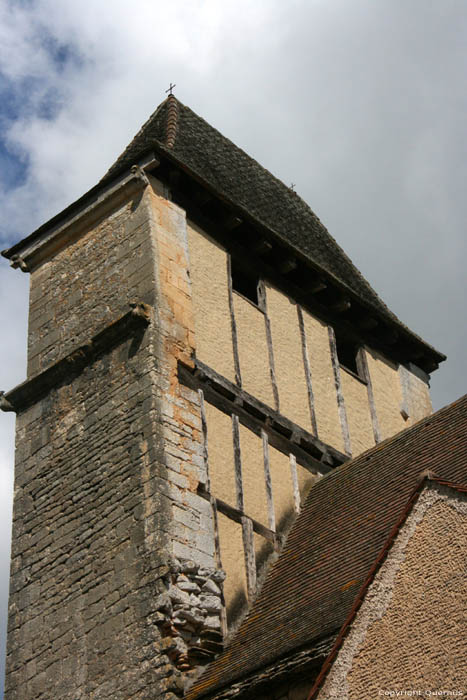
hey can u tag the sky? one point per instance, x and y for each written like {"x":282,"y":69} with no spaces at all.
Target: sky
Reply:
{"x":360,"y":103}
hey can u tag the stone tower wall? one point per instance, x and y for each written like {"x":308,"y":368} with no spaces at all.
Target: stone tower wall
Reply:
{"x":109,"y":457}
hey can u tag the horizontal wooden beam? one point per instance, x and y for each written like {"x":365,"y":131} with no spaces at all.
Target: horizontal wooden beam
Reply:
{"x":202,"y":197}
{"x":262,"y":247}
{"x":283,"y":434}
{"x":32,"y":390}
{"x":237,"y":515}
{"x":388,"y":335}
{"x":232,"y":222}
{"x":315,"y":285}
{"x":367,"y":323}
{"x":340,"y":306}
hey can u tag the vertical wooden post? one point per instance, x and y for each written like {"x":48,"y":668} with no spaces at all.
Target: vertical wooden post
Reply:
{"x":296,"y":489}
{"x":267,"y":480}
{"x":364,"y":371}
{"x":339,"y":393}
{"x":237,"y":462}
{"x":250,"y":558}
{"x":306,"y":365}
{"x":267,"y":323}
{"x":238,"y":376}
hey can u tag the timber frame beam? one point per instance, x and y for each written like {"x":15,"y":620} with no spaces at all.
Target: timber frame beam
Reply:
{"x":283,"y":434}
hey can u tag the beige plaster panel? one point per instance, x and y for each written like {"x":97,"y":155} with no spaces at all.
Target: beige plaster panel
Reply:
{"x":410,"y":631}
{"x":387,"y":394}
{"x":253,"y":478}
{"x":253,"y":350}
{"x":233,"y":563}
{"x":358,"y":413}
{"x":322,"y":379}
{"x":288,"y":358}
{"x":208,"y":273}
{"x":305,"y":481}
{"x":282,"y":487}
{"x":415,"y":395}
{"x":220,"y":455}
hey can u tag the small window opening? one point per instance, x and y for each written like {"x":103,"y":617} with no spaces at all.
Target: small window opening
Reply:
{"x":245,"y":283}
{"x":347,"y":354}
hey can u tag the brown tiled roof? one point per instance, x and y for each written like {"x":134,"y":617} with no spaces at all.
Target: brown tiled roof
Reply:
{"x":225,"y":168}
{"x":426,"y":481}
{"x":343,"y":526}
{"x":175,"y":131}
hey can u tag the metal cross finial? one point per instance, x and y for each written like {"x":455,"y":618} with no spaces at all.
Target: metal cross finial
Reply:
{"x":171,"y":87}
{"x":292,"y":186}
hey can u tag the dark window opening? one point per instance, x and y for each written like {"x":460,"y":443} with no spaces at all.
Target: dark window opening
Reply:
{"x":245,"y":283}
{"x":347,"y":354}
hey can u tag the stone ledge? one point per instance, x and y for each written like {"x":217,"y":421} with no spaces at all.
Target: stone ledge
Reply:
{"x":32,"y":390}
{"x":66,"y":225}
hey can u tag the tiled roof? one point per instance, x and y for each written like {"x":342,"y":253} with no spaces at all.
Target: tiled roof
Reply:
{"x":189,"y":142}
{"x":343,"y":526}
{"x":192,"y":142}
{"x":426,"y":482}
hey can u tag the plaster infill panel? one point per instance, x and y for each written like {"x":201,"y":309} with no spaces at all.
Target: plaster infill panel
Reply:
{"x":358,"y":413}
{"x":233,"y":563}
{"x":415,"y":396}
{"x":282,"y":487}
{"x":253,"y":478}
{"x":253,"y":350}
{"x":288,"y":358}
{"x":409,"y":633}
{"x":323,"y":382}
{"x":305,"y":481}
{"x":208,"y":274}
{"x":387,"y":394}
{"x":221,"y":455}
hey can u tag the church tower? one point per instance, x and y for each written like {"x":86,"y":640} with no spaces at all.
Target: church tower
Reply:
{"x":200,"y":352}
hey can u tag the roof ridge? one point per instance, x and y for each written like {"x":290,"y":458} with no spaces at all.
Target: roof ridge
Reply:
{"x":172,"y":121}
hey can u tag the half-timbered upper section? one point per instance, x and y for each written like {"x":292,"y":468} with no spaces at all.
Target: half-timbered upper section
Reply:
{"x":263,"y":224}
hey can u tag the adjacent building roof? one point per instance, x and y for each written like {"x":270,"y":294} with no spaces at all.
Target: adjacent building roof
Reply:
{"x":176,"y":132}
{"x":334,"y":542}
{"x":427,"y":483}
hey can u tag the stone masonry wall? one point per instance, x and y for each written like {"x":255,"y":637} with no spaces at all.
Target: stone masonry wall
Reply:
{"x":107,"y":469}
{"x":90,"y":531}
{"x":89,"y":283}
